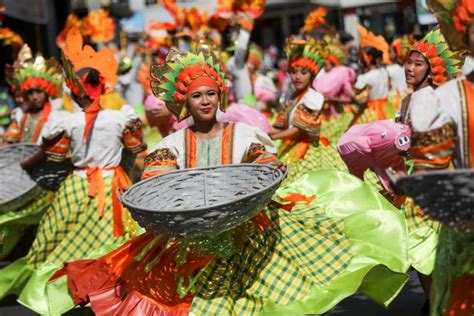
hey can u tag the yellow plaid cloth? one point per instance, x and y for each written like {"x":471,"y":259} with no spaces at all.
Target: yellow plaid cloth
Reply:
{"x":302,"y":249}
{"x":335,"y":127}
{"x":318,"y":157}
{"x":71,"y":228}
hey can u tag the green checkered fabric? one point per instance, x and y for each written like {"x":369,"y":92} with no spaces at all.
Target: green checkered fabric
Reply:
{"x":335,"y":127}
{"x":318,"y":157}
{"x":304,"y":248}
{"x":416,"y":218}
{"x":71,"y":228}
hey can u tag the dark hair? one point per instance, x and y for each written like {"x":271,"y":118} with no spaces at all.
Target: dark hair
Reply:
{"x":374,"y":53}
{"x":345,"y":37}
{"x":93,"y":77}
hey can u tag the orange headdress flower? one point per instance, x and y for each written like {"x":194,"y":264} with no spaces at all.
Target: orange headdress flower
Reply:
{"x":175,"y":79}
{"x":454,"y":17}
{"x":369,"y":39}
{"x":444,"y":63}
{"x":316,"y":18}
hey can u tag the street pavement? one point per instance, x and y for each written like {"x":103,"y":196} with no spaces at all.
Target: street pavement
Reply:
{"x":408,"y":303}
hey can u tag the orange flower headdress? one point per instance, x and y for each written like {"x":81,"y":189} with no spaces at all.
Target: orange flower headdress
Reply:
{"x":78,"y":58}
{"x":175,"y":79}
{"x":444,"y":63}
{"x":35,"y":73}
{"x":454,"y":17}
{"x":316,"y":18}
{"x":308,"y":54}
{"x":255,"y":55}
{"x":337,"y":55}
{"x":401,"y":46}
{"x":78,"y":61}
{"x":369,"y":39}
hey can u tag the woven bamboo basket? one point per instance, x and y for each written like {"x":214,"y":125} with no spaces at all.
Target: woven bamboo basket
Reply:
{"x":16,"y":187}
{"x":447,"y":196}
{"x":202,"y":201}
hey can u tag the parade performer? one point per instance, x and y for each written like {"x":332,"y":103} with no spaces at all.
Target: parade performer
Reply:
{"x":85,"y":213}
{"x":372,"y":86}
{"x":302,"y":255}
{"x":264,"y":89}
{"x":429,"y":64}
{"x":299,"y":121}
{"x":453,"y":276}
{"x":37,"y":80}
{"x":399,"y":49}
{"x":336,"y":86}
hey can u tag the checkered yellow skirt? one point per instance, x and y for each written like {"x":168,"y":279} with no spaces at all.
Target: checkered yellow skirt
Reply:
{"x":423,"y":234}
{"x":340,"y":238}
{"x":318,"y":157}
{"x":69,"y":230}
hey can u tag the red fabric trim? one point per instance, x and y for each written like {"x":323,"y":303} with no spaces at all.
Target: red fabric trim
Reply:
{"x":91,"y":114}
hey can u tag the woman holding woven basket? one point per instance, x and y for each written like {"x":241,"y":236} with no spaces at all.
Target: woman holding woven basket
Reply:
{"x":85,"y":214}
{"x":38,"y":80}
{"x":304,"y":253}
{"x":429,"y":63}
{"x":298,"y":124}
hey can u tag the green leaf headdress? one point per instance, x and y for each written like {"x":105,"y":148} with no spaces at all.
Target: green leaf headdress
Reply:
{"x":308,"y":54}
{"x":29,"y":73}
{"x":444,"y":63}
{"x":454,"y":17}
{"x":171,"y":79}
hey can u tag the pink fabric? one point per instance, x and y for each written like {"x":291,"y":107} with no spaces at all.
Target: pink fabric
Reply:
{"x":336,"y":83}
{"x":245,"y":114}
{"x":165,"y":125}
{"x":375,"y":146}
{"x":264,"y":95}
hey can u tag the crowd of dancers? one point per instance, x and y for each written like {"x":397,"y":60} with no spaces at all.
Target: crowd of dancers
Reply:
{"x":341,"y":120}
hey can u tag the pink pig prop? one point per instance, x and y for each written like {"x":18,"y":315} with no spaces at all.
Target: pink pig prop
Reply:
{"x":376,"y":146}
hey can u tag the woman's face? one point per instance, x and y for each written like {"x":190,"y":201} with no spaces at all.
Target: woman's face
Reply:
{"x":328,"y":65}
{"x":37,"y":98}
{"x":203,"y":103}
{"x":18,"y":98}
{"x":300,"y":77}
{"x":416,"y":67}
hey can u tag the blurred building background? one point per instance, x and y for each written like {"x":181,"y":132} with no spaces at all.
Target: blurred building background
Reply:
{"x":39,"y":21}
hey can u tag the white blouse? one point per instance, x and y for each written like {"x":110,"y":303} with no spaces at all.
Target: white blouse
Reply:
{"x":244,"y":136}
{"x":104,"y":147}
{"x":377,"y":81}
{"x":312,"y":99}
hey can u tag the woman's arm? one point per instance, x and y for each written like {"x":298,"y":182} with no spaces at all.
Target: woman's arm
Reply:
{"x":33,"y":161}
{"x":289,"y":132}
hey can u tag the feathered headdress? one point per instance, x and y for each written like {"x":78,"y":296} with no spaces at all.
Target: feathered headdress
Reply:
{"x":102,"y":26}
{"x":454,"y":17}
{"x":369,"y":39}
{"x":35,"y":73}
{"x":401,"y":45}
{"x":255,"y":55}
{"x":171,"y":79}
{"x":337,"y":55}
{"x":309,"y":54}
{"x":314,"y":19}
{"x":444,"y":63}
{"x":77,"y":58}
